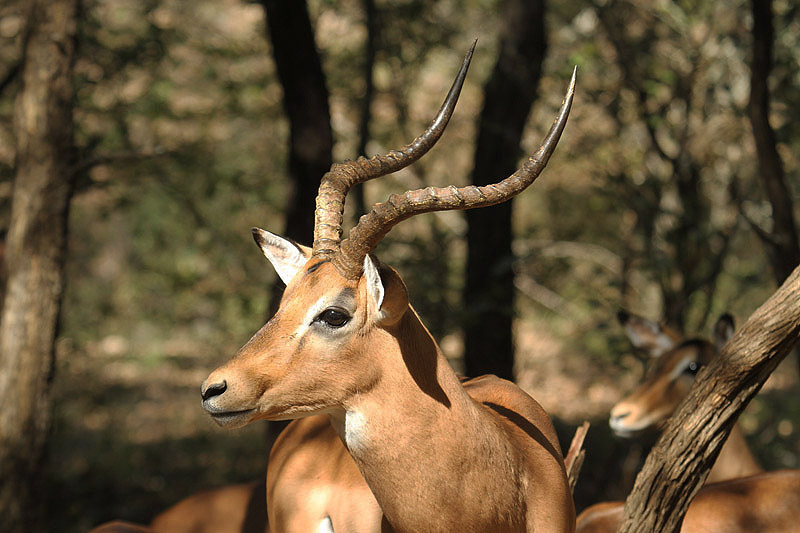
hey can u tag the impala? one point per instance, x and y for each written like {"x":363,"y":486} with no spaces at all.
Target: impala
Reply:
{"x":438,"y":455}
{"x":237,"y":508}
{"x":675,"y":363}
{"x":738,"y":497}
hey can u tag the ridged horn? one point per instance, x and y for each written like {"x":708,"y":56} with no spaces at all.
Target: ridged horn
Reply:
{"x":373,"y":226}
{"x":336,"y":183}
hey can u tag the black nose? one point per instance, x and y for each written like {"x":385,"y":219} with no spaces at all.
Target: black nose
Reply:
{"x":620,"y":416}
{"x":215,"y":389}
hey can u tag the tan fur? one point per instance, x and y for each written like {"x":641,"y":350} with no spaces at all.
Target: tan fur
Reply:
{"x":120,"y":526}
{"x":763,"y":503}
{"x":230,"y":509}
{"x":310,"y":476}
{"x":435,"y":458}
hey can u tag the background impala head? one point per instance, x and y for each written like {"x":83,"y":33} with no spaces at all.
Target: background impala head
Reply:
{"x":342,"y":308}
{"x":674,"y":365}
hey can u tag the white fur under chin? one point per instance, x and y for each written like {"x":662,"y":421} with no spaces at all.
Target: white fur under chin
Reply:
{"x":355,"y":430}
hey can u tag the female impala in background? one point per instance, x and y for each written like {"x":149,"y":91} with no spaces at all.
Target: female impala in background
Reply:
{"x":738,"y":497}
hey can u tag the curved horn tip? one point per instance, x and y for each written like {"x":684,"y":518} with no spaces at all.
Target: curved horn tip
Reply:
{"x":573,"y":79}
{"x":472,"y":48}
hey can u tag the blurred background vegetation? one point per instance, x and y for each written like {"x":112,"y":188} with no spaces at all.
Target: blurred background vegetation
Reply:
{"x":652,"y":202}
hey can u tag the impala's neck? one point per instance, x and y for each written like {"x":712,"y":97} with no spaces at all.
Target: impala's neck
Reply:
{"x":431,"y":454}
{"x":734,"y":459}
{"x":398,"y":430}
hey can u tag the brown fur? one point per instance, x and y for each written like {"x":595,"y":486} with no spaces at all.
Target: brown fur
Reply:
{"x":230,"y":509}
{"x":763,"y":503}
{"x":435,"y":457}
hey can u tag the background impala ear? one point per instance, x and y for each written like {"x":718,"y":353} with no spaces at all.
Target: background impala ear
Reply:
{"x":287,"y":257}
{"x":723,"y":330}
{"x":645,"y":334}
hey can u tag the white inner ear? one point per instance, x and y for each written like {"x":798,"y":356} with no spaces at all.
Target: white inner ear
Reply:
{"x":375,"y":289}
{"x":286,"y":257}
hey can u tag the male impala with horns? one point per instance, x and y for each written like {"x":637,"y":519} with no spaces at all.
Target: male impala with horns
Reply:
{"x":439,"y":455}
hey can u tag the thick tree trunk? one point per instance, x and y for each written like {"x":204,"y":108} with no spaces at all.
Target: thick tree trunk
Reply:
{"x":679,"y":463}
{"x":305,"y":99}
{"x":508,"y":97}
{"x":34,"y":257}
{"x":783,"y":248}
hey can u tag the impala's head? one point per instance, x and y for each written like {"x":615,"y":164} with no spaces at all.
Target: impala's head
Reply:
{"x":341,"y":306}
{"x":314,"y":352}
{"x":669,"y":378}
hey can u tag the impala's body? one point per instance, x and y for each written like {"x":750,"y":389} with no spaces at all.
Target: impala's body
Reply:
{"x":438,"y":456}
{"x":423,"y":444}
{"x":237,"y":508}
{"x":240,"y":508}
{"x":738,"y":496}
{"x":763,"y":503}
{"x":312,"y":479}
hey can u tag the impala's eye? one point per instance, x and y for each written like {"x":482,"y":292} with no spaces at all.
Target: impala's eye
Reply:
{"x":692,"y":368}
{"x":333,"y":318}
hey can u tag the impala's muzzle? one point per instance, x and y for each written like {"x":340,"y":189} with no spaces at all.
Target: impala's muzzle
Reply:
{"x":214,"y":402}
{"x":628,"y":420}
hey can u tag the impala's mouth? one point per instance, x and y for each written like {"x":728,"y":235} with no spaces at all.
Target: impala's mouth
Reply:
{"x":630,"y":431}
{"x":228,"y":419}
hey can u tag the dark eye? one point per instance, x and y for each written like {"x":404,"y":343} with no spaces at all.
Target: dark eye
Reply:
{"x":692,"y":368}
{"x":333,"y":318}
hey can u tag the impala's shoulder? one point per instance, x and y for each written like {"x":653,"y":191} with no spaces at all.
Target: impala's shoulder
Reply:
{"x":510,"y":401}
{"x":490,"y":388}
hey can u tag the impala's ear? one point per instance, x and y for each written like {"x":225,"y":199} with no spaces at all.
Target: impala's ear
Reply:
{"x":386,"y":292}
{"x":375,"y":290}
{"x":646,"y":334}
{"x":286,"y":256}
{"x":723,"y":331}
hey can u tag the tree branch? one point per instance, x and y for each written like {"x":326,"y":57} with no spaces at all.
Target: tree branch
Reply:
{"x":679,"y":463}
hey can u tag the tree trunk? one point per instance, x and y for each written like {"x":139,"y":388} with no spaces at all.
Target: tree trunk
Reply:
{"x":305,"y":99}
{"x":783,"y":247}
{"x":370,"y":47}
{"x":508,"y":98}
{"x":679,"y":463}
{"x":34,"y":256}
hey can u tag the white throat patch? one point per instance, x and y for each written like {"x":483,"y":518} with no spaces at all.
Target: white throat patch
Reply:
{"x":355,"y":430}
{"x":326,"y":526}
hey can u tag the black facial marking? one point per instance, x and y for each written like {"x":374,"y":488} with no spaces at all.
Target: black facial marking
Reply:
{"x":315,"y":266}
